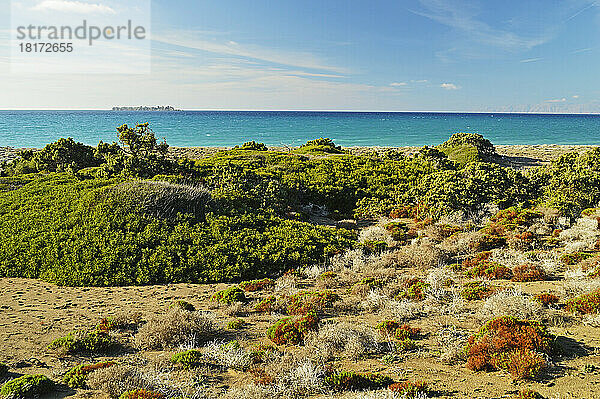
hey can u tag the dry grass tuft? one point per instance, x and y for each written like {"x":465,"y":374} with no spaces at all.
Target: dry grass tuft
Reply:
{"x":174,"y":328}
{"x":342,"y":339}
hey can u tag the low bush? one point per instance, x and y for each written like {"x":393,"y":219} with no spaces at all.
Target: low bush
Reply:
{"x":546,"y":299}
{"x":573,"y":259}
{"x":528,"y":272}
{"x":266,"y":305}
{"x":257,"y":285}
{"x":475,"y":290}
{"x":96,"y":341}
{"x":320,"y":145}
{"x":528,"y":394}
{"x":490,"y":270}
{"x":413,"y":289}
{"x":354,"y":381}
{"x":511,"y":344}
{"x":387,"y":327}
{"x":407,"y":332}
{"x":305,"y":302}
{"x":585,"y":304}
{"x":141,"y":394}
{"x":188,"y":359}
{"x":229,"y":295}
{"x":236,"y":324}
{"x":347,"y":340}
{"x":409,"y":389}
{"x":27,"y":386}
{"x":291,"y":330}
{"x":76,"y":377}
{"x":174,"y":328}
{"x":183,"y":305}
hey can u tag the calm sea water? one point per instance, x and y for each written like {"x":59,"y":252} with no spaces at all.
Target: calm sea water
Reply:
{"x":226,"y":128}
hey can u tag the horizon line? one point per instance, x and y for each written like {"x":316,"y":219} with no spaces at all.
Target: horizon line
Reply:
{"x":310,"y":110}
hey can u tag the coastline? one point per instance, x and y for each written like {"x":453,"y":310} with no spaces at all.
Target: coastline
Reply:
{"x":515,"y":155}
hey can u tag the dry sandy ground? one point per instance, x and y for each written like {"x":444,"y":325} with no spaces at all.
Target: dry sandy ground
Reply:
{"x":33,"y":313}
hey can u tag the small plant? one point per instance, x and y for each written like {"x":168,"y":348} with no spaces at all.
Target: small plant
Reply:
{"x":229,"y":295}
{"x":387,"y":327}
{"x":183,"y":305}
{"x":510,"y":344}
{"x":141,"y":394}
{"x":490,"y":270}
{"x":27,"y":386}
{"x":398,"y":231}
{"x":353,"y":381}
{"x":266,"y":305}
{"x":236,"y":324}
{"x":252,"y":146}
{"x":406,"y":345}
{"x":406,"y":332}
{"x":513,"y":217}
{"x":585,"y":304}
{"x":76,"y":377}
{"x":573,"y":259}
{"x":475,"y":290}
{"x":187,"y":359}
{"x":257,"y":285}
{"x":305,"y":302}
{"x":366,"y":284}
{"x":410,"y":389}
{"x":547,"y":299}
{"x":414,"y":289}
{"x":258,"y":352}
{"x":290,"y":330}
{"x":528,"y":272}
{"x":95,"y":341}
{"x":481,"y":257}
{"x":327,"y":276}
{"x":528,"y":394}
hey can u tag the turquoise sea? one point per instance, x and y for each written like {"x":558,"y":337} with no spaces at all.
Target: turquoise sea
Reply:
{"x":227,"y":128}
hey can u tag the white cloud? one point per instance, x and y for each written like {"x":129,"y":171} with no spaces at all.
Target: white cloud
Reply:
{"x":298,"y":59}
{"x":528,"y":60}
{"x":576,"y":96}
{"x":398,"y":84}
{"x":76,"y":7}
{"x":449,"y":86}
{"x":462,"y":16}
{"x":557,"y":100}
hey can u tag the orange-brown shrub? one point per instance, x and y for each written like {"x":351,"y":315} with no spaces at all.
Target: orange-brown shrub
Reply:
{"x":546,"y":299}
{"x":502,"y":342}
{"x":528,"y":272}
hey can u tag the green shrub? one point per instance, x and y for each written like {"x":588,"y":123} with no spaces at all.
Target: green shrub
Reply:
{"x":188,"y":359}
{"x":585,"y":304}
{"x":413,"y":289}
{"x":354,"y":381}
{"x":573,"y":259}
{"x":76,"y":377}
{"x":27,"y":386}
{"x":490,"y":270}
{"x":475,"y":290}
{"x":320,"y":145}
{"x":266,"y":304}
{"x":236,"y":324}
{"x":252,"y":146}
{"x":468,"y":147}
{"x":229,"y":295}
{"x":96,"y":341}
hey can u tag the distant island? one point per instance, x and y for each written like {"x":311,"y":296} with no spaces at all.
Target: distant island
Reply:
{"x":159,"y":108}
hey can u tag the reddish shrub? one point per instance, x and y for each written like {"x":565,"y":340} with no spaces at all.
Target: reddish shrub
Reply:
{"x":501,"y":343}
{"x":546,"y":299}
{"x":414,"y":288}
{"x":292,"y":330}
{"x":311,"y":301}
{"x":257,"y":285}
{"x":490,"y":270}
{"x":406,"y":332}
{"x":476,"y":260}
{"x":528,"y":272}
{"x":141,"y":394}
{"x":410,"y":389}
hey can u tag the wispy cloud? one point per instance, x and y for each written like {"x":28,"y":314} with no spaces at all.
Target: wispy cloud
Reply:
{"x":298,"y":59}
{"x":449,"y":86}
{"x":460,"y":16}
{"x":75,"y":7}
{"x":576,"y":96}
{"x":528,"y":60}
{"x":398,"y":84}
{"x":557,"y":100}
{"x":584,"y":9}
{"x":582,"y":50}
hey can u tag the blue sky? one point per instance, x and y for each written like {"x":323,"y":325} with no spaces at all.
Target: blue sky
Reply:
{"x":413,"y":55}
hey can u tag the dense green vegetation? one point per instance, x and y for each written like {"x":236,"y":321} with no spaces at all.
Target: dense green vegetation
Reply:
{"x":127,"y":214}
